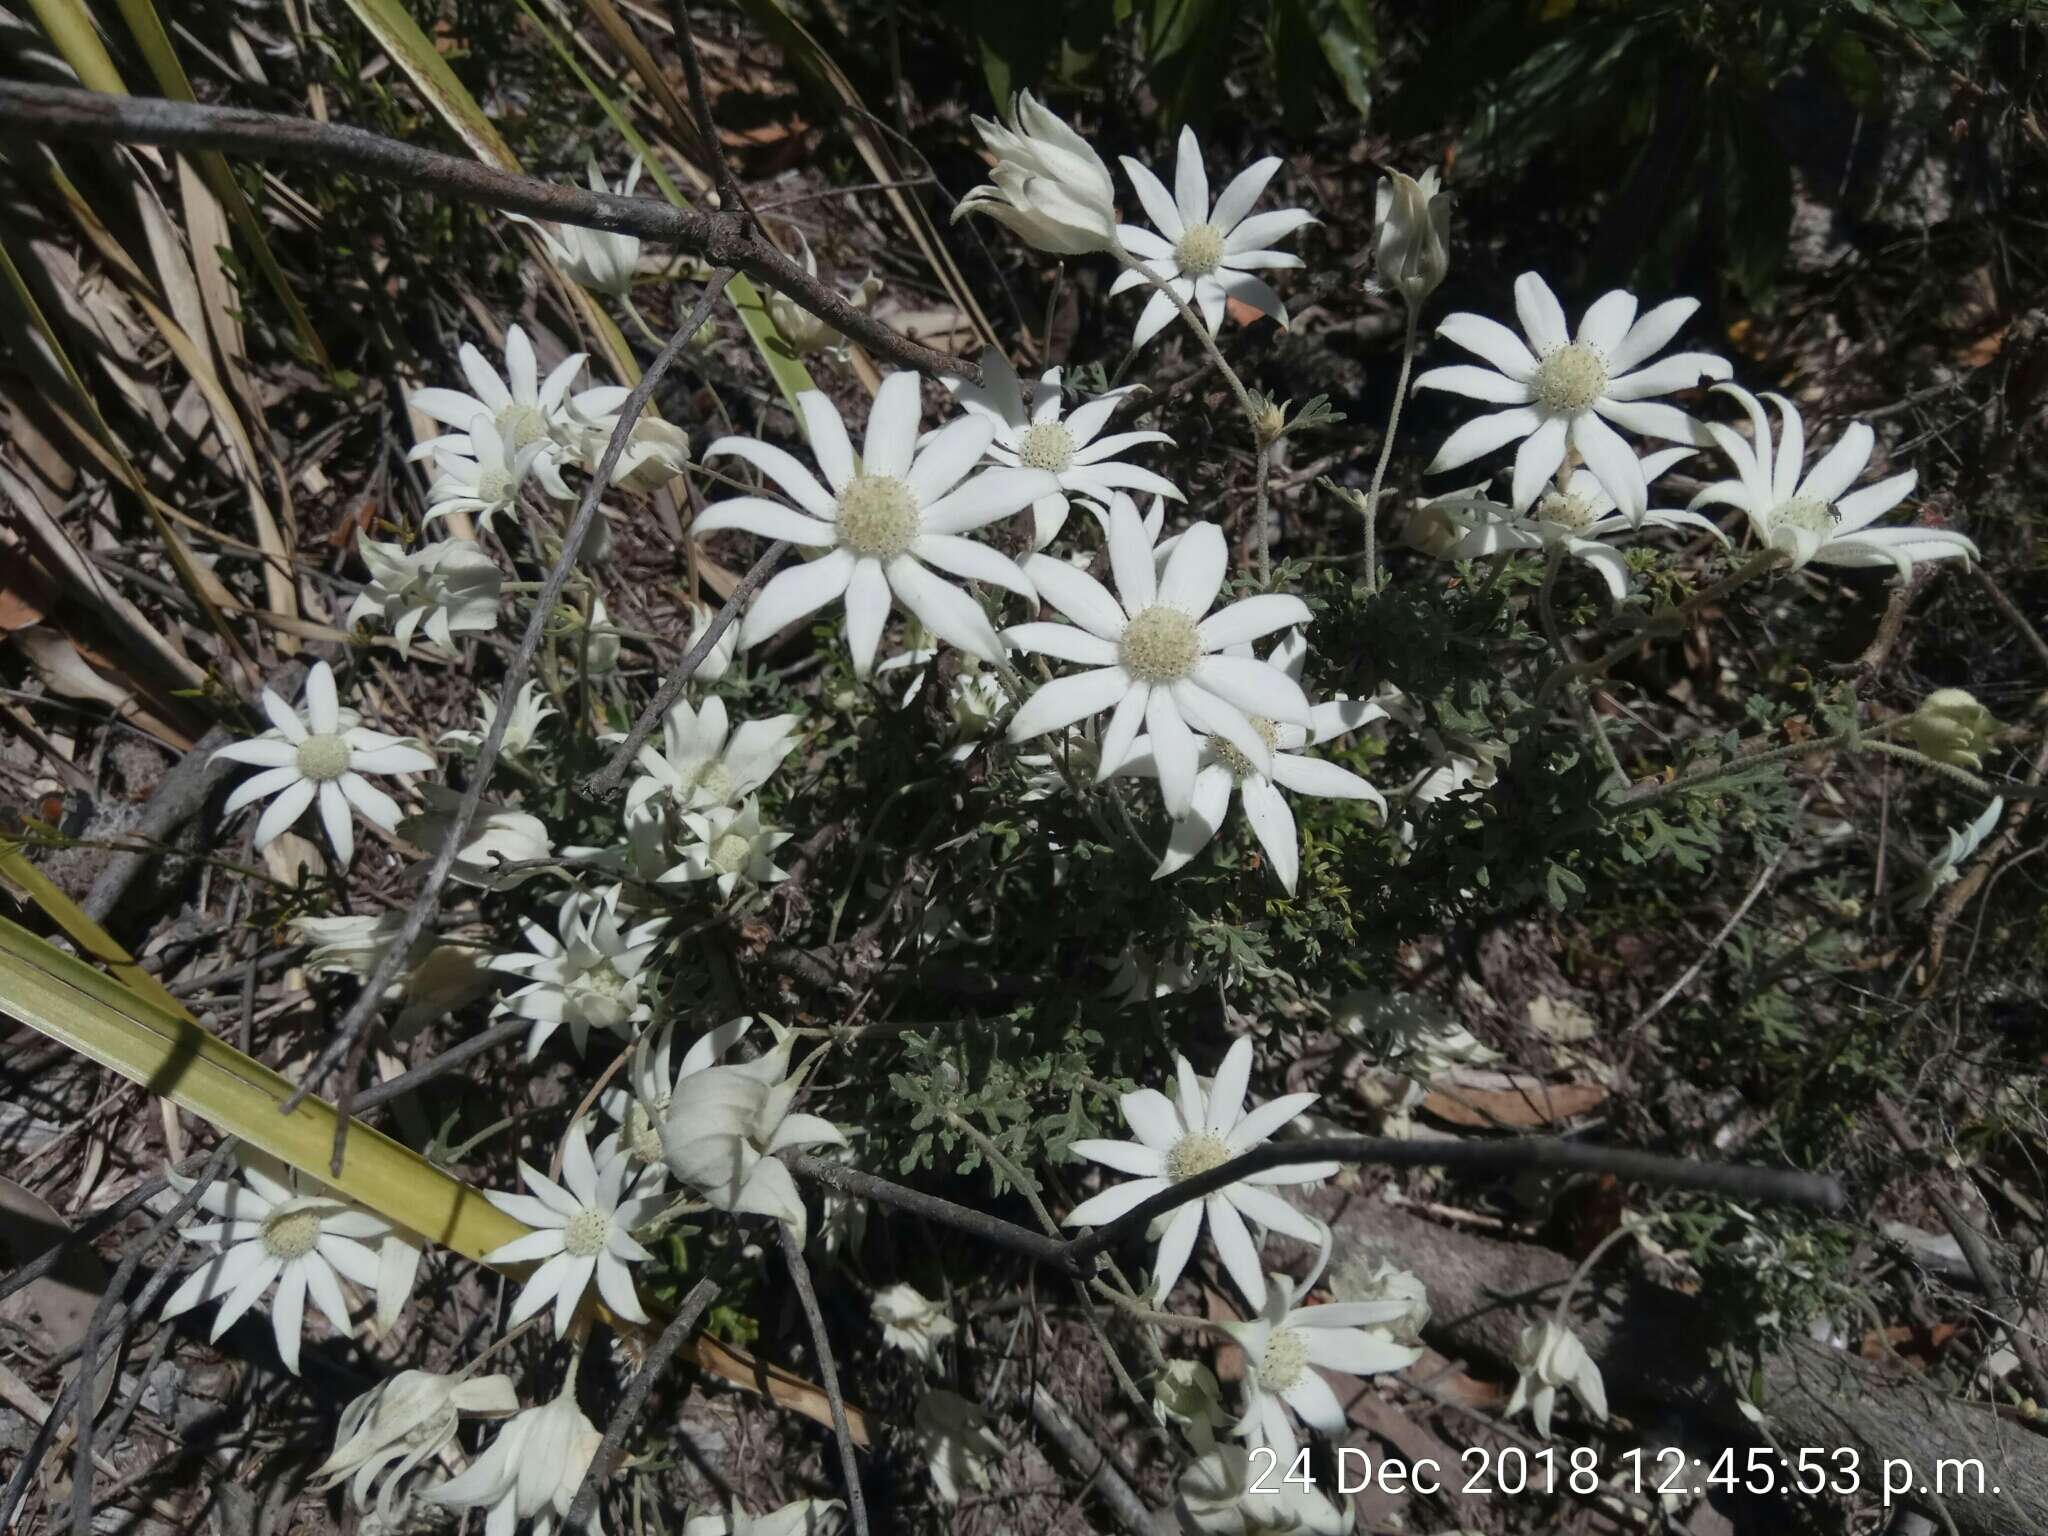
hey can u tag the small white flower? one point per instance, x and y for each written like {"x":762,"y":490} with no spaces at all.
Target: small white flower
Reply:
{"x":728,"y":844}
{"x":656,"y":451}
{"x":1562,"y":391}
{"x":325,"y":755}
{"x":1155,"y":660}
{"x":1185,"y":1392}
{"x":1286,"y":1342}
{"x":1368,"y":1277}
{"x":439,"y":978}
{"x":641,"y":1108}
{"x":1225,"y":770}
{"x":528,"y":710}
{"x":347,"y":946}
{"x":1201,"y":1132}
{"x":1819,"y":518}
{"x":451,"y":587}
{"x":474,"y":473}
{"x":400,"y":1423}
{"x":805,"y":1517}
{"x":589,"y":978}
{"x":498,"y":837}
{"x":958,"y":1444}
{"x":1209,"y":254}
{"x":273,"y":1229}
{"x":1215,"y":1497}
{"x":1551,"y":1359}
{"x":703,"y":762}
{"x":912,"y":1322}
{"x":599,"y":259}
{"x":1414,"y":218}
{"x":531,"y":1471}
{"x":1946,"y":867}
{"x":528,"y":412}
{"x":725,"y":1125}
{"x":1070,"y":448}
{"x":718,"y":660}
{"x":1145,"y":978}
{"x":582,"y":1228}
{"x":1408,"y":1034}
{"x":1049,"y":188}
{"x":886,"y":519}
{"x":806,"y":334}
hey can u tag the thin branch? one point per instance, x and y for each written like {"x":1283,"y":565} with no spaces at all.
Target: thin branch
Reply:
{"x":428,"y":901}
{"x":43,"y":112}
{"x":1094,"y":1466}
{"x":702,"y":1294}
{"x":731,"y":195}
{"x":828,"y":1372}
{"x":866,"y":1186}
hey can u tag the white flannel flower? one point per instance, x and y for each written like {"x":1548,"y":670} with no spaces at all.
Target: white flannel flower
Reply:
{"x":1049,"y":188}
{"x":727,"y":844}
{"x":1367,"y":1277}
{"x":531,"y":1471}
{"x":887,"y":518}
{"x":322,"y":755}
{"x":476,"y":473}
{"x":1285,"y":1344}
{"x":589,"y":978}
{"x":451,"y":587}
{"x":656,"y":451}
{"x":498,"y":837}
{"x":599,"y":259}
{"x":1215,"y":1497}
{"x":1579,"y":518}
{"x":1185,"y":1392}
{"x":1226,"y":771}
{"x":271,"y":1228}
{"x":528,"y":710}
{"x":725,"y":1125}
{"x":805,"y":1517}
{"x":1203,"y":1131}
{"x":1819,"y":518}
{"x":704,"y":762}
{"x":351,"y":945}
{"x":1155,"y":660}
{"x":582,"y":1228}
{"x":912,"y":1322}
{"x":438,"y":979}
{"x":1562,"y":391}
{"x":1208,"y":255}
{"x":1413,"y":250}
{"x":528,"y":412}
{"x":641,"y":1107}
{"x":806,"y":334}
{"x":718,"y":660}
{"x":958,"y":1445}
{"x":1946,"y":867}
{"x":400,"y":1423}
{"x":1070,"y":448}
{"x":1551,"y":1359}
{"x":1141,"y":977}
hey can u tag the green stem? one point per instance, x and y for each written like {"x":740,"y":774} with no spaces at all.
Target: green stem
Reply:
{"x":1962,"y":776}
{"x":1194,"y":323}
{"x":1265,"y":469}
{"x":1379,"y":470}
{"x":1553,"y":562}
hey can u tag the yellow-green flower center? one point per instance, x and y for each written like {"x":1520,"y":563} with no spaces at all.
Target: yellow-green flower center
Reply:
{"x":729,"y":855}
{"x":1199,"y":250}
{"x":493,"y":486}
{"x":520,"y":425}
{"x":584,"y":1236}
{"x":1196,"y":1153}
{"x":1048,"y":445}
{"x":1285,"y":1361}
{"x":643,"y":1132}
{"x":323,"y":757}
{"x":1160,"y":645}
{"x":877,"y":516}
{"x":290,"y":1234}
{"x":714,"y":781}
{"x":1805,"y":512}
{"x":1574,"y":512}
{"x":1569,"y":379}
{"x":1240,"y":766}
{"x":606,"y":980}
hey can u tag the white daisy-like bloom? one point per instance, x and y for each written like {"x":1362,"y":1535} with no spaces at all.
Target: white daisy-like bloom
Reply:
{"x":1580,"y":518}
{"x":1286,"y":1343}
{"x":1069,"y":447}
{"x":703,"y":761}
{"x":1370,"y":1277}
{"x":588,"y":978}
{"x":521,"y":409}
{"x":529,"y":708}
{"x":1203,"y":1131}
{"x":1048,"y":185}
{"x":912,"y":1321}
{"x":504,"y":847}
{"x":530,"y":1472}
{"x":400,"y":1423}
{"x":599,"y":259}
{"x":1215,"y":1496}
{"x":641,"y":1107}
{"x":959,"y":1447}
{"x":1155,"y":660}
{"x":656,"y":451}
{"x":450,"y":587}
{"x":583,"y":1227}
{"x":727,"y":844}
{"x":321,"y":755}
{"x":887,"y":519}
{"x":475,"y":473}
{"x":438,"y":979}
{"x":271,"y":1228}
{"x":350,"y":945}
{"x":1225,"y":772}
{"x":718,"y":660}
{"x":1206,"y":254}
{"x":725,"y":1125}
{"x":1818,"y":518}
{"x":1562,"y":390}
{"x":805,"y":1517}
{"x":1551,"y":1360}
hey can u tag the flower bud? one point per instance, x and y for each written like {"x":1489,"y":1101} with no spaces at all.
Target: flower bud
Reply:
{"x":405,"y":1421}
{"x":1049,"y":185}
{"x":1414,"y":219}
{"x":1951,"y":727}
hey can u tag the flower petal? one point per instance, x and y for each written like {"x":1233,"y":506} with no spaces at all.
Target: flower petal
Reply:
{"x":944,"y":609}
{"x":946,"y":457}
{"x":1078,"y":595}
{"x":1541,"y":315}
{"x":1194,"y":571}
{"x":795,"y":593}
{"x":892,"y":426}
{"x":1064,"y":700}
{"x":867,"y":611}
{"x":1250,"y":618}
{"x":785,"y":469}
{"x":764,"y":519}
{"x":1273,"y":824}
{"x":830,"y":445}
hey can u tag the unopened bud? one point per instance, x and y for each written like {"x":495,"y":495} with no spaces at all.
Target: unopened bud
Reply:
{"x":1951,"y":727}
{"x":1415,"y":233}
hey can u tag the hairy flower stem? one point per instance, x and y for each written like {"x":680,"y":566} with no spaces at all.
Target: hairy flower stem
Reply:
{"x":1962,"y":776}
{"x":1588,"y":715}
{"x":1379,"y":470}
{"x":1562,"y":1314}
{"x":1651,"y":792}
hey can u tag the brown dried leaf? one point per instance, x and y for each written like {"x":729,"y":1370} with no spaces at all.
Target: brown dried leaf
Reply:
{"x":1530,"y":1102}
